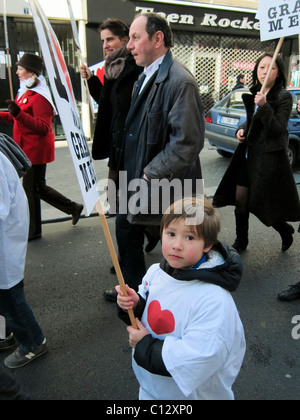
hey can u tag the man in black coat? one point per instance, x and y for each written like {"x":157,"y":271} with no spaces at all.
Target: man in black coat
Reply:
{"x":240,"y":82}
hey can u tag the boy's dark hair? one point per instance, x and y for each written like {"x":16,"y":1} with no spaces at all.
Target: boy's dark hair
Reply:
{"x":156,"y":23}
{"x":116,"y":26}
{"x":281,"y":79}
{"x":195,"y":208}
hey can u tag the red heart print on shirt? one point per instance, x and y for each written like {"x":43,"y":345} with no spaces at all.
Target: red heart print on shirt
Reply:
{"x":160,"y":322}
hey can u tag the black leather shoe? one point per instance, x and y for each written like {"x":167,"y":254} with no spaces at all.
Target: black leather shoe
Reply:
{"x":287,"y":238}
{"x":108,"y":215}
{"x":34,"y":237}
{"x":240,"y":245}
{"x":151,"y":244}
{"x":291,"y":293}
{"x":76,"y":214}
{"x":110,"y":295}
{"x":153,"y":236}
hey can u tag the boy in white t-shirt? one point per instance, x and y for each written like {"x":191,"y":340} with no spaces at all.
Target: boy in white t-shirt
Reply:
{"x":190,"y":341}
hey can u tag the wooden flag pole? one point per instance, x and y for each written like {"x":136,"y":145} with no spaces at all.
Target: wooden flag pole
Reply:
{"x":87,"y":85}
{"x":77,"y":42}
{"x":114,"y":258}
{"x":9,"y":76}
{"x":277,"y":51}
{"x":7,"y":51}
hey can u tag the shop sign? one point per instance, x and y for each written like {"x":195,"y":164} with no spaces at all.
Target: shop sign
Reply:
{"x":207,"y":20}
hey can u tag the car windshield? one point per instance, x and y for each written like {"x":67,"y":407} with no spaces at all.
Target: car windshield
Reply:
{"x":296,"y":98}
{"x":233,"y":101}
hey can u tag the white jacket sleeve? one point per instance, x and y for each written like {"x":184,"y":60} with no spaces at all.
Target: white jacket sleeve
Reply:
{"x":5,"y":195}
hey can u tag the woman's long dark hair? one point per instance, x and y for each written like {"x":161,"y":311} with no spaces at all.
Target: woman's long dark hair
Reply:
{"x":281,"y":79}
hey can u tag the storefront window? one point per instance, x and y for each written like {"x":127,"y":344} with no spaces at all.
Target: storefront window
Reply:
{"x":216,"y":61}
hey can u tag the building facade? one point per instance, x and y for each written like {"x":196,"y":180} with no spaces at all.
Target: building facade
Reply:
{"x":216,"y":40}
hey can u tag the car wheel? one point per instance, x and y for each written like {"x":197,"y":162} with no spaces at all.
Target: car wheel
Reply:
{"x":224,"y":154}
{"x":292,"y":155}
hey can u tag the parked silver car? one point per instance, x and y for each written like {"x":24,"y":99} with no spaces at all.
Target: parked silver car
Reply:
{"x":226,"y":116}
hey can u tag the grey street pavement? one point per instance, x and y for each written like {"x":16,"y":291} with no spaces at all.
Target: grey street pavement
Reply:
{"x":90,"y":358}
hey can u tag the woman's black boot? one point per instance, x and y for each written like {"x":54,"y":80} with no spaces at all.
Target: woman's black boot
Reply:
{"x":242,"y":228}
{"x":286,"y":232}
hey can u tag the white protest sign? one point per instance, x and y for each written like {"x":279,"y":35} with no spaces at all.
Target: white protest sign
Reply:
{"x":278,"y":18}
{"x":63,"y":94}
{"x":74,"y":26}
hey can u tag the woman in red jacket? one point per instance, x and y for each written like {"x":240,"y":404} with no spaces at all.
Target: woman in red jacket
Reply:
{"x":31,"y":115}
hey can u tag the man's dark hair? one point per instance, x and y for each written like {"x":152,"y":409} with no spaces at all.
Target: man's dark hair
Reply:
{"x":156,"y":23}
{"x":116,"y":26}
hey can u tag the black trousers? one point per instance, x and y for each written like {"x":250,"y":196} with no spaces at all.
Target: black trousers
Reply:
{"x":34,"y":183}
{"x":9,"y":389}
{"x":130,"y":239}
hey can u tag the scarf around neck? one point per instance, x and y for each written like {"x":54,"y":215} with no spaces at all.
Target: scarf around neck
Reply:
{"x":41,"y":88}
{"x":115,"y":63}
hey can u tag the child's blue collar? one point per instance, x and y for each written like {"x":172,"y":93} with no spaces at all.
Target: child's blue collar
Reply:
{"x":202,"y":261}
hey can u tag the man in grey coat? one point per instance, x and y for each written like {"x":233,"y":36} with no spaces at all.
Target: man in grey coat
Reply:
{"x":163,"y":138}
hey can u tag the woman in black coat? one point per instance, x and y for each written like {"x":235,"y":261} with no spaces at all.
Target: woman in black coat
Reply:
{"x":259,"y":179}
